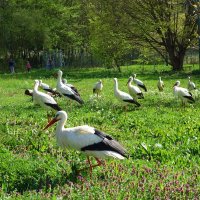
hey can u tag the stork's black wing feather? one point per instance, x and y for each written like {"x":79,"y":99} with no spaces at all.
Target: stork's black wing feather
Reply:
{"x":74,"y":97}
{"x":75,"y":90}
{"x":54,"y":106}
{"x":107,"y":144}
{"x":131,"y":101}
{"x":190,"y":98}
{"x":143,"y":87}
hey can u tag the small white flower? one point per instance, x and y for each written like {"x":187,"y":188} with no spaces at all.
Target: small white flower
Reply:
{"x":158,"y":145}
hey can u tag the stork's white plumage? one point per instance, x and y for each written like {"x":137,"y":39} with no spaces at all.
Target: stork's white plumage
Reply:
{"x":64,"y":81}
{"x":86,"y":139}
{"x":182,"y":93}
{"x":45,"y":86}
{"x":139,"y":83}
{"x":160,"y":85}
{"x":44,"y":100}
{"x":191,"y":85}
{"x":123,"y":96}
{"x":65,"y":90}
{"x":134,"y":91}
{"x":98,"y":86}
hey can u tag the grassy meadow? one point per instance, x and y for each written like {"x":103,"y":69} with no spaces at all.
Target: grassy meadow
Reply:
{"x":161,"y":136}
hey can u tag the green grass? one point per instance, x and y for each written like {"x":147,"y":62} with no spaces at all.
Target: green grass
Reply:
{"x":161,"y":136}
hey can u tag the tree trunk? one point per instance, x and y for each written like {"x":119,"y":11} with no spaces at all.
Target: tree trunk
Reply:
{"x":176,"y":60}
{"x":118,"y":68}
{"x":116,"y":64}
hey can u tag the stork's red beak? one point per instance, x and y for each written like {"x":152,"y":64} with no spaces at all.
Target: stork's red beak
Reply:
{"x":54,"y":120}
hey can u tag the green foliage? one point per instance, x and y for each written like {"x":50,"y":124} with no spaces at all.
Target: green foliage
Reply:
{"x":161,"y":136}
{"x":165,"y":27}
{"x":106,"y":31}
{"x":29,"y":27}
{"x":107,"y":41}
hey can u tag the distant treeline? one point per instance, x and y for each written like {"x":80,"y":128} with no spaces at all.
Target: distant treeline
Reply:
{"x":96,"y":32}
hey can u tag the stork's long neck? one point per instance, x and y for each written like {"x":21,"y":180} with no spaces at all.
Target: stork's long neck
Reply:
{"x":60,"y":125}
{"x":176,"y":86}
{"x":59,"y":79}
{"x":36,"y":87}
{"x":116,"y":86}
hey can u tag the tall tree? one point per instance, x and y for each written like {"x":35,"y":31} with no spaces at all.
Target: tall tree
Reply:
{"x":166,"y":26}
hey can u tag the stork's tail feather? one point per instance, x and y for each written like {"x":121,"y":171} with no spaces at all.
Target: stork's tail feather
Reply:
{"x":190,"y":98}
{"x":132,"y":101}
{"x":80,"y":101}
{"x":143,"y":87}
{"x":54,"y":106}
{"x":75,"y":97}
{"x":140,"y":95}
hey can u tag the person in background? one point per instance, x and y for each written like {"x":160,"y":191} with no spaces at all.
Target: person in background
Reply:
{"x":11,"y":64}
{"x":28,"y":66}
{"x":49,"y":63}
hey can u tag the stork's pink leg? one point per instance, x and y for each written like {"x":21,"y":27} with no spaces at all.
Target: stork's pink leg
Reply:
{"x":98,"y":161}
{"x":89,"y":164}
{"x":92,"y":166}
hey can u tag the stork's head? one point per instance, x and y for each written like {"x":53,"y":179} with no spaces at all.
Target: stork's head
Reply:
{"x":177,"y":83}
{"x":159,"y":78}
{"x":60,"y":115}
{"x":37,"y":82}
{"x":28,"y":92}
{"x":129,"y":80}
{"x":134,"y":75}
{"x":100,"y":81}
{"x":59,"y":73}
{"x":115,"y":80}
{"x":189,"y":78}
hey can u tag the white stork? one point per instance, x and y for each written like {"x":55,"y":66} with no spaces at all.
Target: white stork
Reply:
{"x":66,"y":91}
{"x":160,"y":85}
{"x":86,"y":139}
{"x":64,"y":81}
{"x":182,"y":93}
{"x":139,"y":83}
{"x":44,"y":100}
{"x":98,"y":86}
{"x":123,"y":96}
{"x":191,"y":85}
{"x":134,"y":91}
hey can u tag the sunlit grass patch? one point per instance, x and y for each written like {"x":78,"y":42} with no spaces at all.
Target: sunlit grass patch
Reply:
{"x":161,"y":136}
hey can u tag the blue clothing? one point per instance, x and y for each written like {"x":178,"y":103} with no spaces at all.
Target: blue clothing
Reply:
{"x":12,"y":66}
